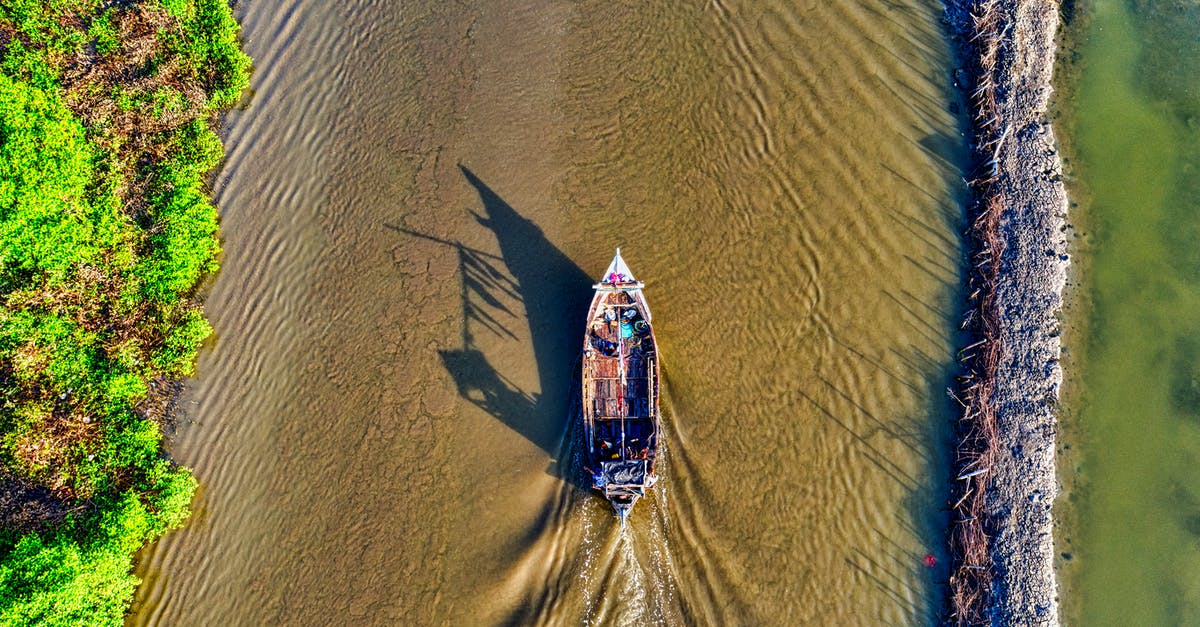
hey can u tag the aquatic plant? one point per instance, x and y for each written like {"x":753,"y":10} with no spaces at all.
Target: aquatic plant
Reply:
{"x":105,"y":231}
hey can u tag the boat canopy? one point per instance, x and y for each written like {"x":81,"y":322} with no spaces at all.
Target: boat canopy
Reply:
{"x":625,"y":473}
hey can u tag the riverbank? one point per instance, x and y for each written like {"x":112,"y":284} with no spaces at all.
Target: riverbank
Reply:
{"x":106,"y":230}
{"x":1002,"y":534}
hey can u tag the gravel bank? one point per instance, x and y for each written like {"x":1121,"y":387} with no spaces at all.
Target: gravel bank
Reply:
{"x":1026,"y":296}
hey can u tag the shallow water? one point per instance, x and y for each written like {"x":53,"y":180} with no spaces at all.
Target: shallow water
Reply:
{"x":415,"y":204}
{"x":1136,"y":549}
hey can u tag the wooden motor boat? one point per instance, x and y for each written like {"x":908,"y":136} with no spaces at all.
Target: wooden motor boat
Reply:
{"x":620,"y":390}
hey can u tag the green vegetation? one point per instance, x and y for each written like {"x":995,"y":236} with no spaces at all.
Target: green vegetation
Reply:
{"x":105,"y":231}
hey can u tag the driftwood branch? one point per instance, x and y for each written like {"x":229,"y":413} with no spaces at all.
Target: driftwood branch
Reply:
{"x":977,"y":431}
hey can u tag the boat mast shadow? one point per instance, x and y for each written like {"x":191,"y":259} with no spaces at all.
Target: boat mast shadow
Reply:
{"x":555,"y":293}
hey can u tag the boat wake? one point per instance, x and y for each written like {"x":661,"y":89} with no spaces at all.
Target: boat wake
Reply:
{"x":630,"y":574}
{"x":582,"y":566}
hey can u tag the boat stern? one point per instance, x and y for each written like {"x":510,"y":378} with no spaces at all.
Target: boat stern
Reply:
{"x":622,"y":509}
{"x":623,"y":482}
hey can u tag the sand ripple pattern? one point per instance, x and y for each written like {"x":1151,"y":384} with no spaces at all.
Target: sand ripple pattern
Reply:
{"x":414,"y":206}
{"x":269,"y":190}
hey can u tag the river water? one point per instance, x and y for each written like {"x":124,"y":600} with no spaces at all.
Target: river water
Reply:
{"x":415,"y":203}
{"x":1135,"y":547}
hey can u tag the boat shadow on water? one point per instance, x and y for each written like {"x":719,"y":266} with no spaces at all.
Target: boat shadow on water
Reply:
{"x":554,"y":293}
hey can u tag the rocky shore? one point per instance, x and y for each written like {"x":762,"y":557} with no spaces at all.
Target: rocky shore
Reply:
{"x":1001,"y":536}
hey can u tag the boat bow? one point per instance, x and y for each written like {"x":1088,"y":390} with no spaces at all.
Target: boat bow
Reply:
{"x":619,"y":278}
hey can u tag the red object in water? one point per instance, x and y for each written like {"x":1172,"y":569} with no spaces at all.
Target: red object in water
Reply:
{"x":930,"y":560}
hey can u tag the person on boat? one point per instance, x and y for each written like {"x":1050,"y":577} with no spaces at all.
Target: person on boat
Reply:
{"x":606,"y":348}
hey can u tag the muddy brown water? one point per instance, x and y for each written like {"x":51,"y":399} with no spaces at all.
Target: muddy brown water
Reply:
{"x":415,"y":203}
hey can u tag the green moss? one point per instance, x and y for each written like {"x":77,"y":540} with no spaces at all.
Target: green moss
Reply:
{"x":46,"y":223}
{"x":106,"y":228}
{"x":208,"y":46}
{"x":80,"y":575}
{"x":184,"y":246}
{"x":104,"y":33}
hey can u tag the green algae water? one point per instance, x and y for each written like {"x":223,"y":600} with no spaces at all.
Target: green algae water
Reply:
{"x":1135,"y":554}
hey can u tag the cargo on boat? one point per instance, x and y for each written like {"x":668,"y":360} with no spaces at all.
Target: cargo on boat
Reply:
{"x":620,"y":390}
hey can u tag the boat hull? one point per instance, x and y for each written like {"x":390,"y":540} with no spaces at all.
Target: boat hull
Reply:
{"x":620,"y":395}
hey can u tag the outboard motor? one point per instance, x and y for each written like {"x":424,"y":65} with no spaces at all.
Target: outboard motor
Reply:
{"x":622,"y":511}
